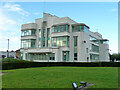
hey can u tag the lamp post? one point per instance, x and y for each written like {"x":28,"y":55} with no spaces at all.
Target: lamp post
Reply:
{"x":8,"y":49}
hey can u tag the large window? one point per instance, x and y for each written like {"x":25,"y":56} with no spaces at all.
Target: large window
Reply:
{"x":78,"y":28}
{"x":94,"y":57}
{"x":39,"y":42}
{"x":94,"y":48}
{"x":29,"y":43}
{"x":40,"y":56}
{"x":43,"y":33}
{"x":48,"y":37}
{"x":104,"y":41}
{"x":28,"y":32}
{"x":60,"y":41}
{"x":60,"y":28}
{"x":93,"y":39}
{"x":75,"y":47}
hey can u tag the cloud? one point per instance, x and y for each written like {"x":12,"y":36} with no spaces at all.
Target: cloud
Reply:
{"x":114,"y":10}
{"x":5,"y":22}
{"x":16,"y":8}
{"x":9,"y":26}
{"x":14,"y":42}
{"x":36,"y":13}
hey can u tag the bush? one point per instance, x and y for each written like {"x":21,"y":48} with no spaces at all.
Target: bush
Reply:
{"x":13,"y":60}
{"x":15,"y":64}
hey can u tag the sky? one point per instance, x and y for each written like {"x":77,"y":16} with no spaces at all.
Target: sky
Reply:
{"x":101,"y":17}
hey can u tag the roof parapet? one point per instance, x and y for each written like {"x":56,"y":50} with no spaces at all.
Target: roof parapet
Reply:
{"x":80,"y":24}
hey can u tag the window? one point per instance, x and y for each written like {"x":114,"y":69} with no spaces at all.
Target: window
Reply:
{"x":40,"y":56}
{"x":52,"y":56}
{"x":75,"y":56}
{"x":93,"y":39}
{"x":48,"y":37}
{"x":39,"y":42}
{"x":28,"y":32}
{"x":86,"y":29}
{"x":75,"y":47}
{"x":94,"y":57}
{"x":75,"y":28}
{"x":86,"y":50}
{"x":60,"y":41}
{"x":28,"y":43}
{"x":65,"y":55}
{"x":60,"y":28}
{"x":103,"y":41}
{"x":94,"y":48}
{"x":43,"y":33}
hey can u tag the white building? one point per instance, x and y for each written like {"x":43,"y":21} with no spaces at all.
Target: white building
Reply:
{"x":5,"y":54}
{"x":56,"y":39}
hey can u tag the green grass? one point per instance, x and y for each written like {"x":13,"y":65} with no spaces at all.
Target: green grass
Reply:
{"x":60,"y":77}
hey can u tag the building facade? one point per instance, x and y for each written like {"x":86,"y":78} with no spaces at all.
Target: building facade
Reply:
{"x":5,"y":54}
{"x":55,"y":39}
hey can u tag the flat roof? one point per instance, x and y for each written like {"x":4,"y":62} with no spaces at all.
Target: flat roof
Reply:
{"x":80,"y":24}
{"x":60,"y":24}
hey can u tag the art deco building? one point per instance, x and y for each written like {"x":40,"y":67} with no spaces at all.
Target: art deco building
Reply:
{"x":55,"y":39}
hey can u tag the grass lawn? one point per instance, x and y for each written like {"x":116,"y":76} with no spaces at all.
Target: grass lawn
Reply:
{"x":60,"y":77}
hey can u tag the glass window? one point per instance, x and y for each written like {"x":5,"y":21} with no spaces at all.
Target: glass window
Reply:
{"x":60,"y":41}
{"x":82,"y":27}
{"x":60,"y":28}
{"x":75,"y":28}
{"x":86,"y":29}
{"x":65,"y":55}
{"x":27,"y":43}
{"x":103,"y":41}
{"x":75,"y":47}
{"x":94,"y":48}
{"x":48,"y":37}
{"x":43,"y":33}
{"x":39,"y":42}
{"x":86,"y":50}
{"x":28,"y":32}
{"x":94,"y":57}
{"x":93,"y":39}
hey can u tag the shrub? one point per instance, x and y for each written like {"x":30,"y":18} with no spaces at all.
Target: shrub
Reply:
{"x":14,"y":60}
{"x":15,"y":64}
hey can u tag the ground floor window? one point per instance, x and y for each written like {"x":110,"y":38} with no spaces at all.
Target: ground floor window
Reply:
{"x":75,"y":47}
{"x":40,"y":56}
{"x":65,"y":55}
{"x":94,"y":57}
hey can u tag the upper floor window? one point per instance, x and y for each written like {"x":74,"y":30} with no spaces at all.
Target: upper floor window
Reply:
{"x":94,"y":48}
{"x":60,"y":28}
{"x":93,"y":39}
{"x":28,"y":43}
{"x":60,"y":41}
{"x":78,"y":28}
{"x":104,"y":41}
{"x":28,"y":32}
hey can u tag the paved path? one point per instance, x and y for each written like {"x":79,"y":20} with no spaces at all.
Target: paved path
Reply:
{"x":2,"y":73}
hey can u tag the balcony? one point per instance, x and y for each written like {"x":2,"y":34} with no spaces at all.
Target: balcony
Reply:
{"x":29,"y":26}
{"x":28,"y":34}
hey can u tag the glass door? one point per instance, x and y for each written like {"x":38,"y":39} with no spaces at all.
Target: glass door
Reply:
{"x":65,"y":55}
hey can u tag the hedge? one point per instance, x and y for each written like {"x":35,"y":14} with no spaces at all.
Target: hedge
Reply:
{"x":16,"y":65}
